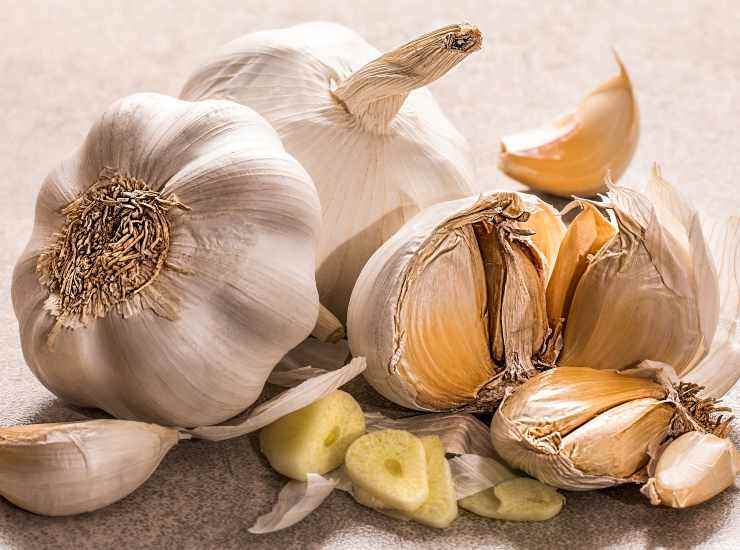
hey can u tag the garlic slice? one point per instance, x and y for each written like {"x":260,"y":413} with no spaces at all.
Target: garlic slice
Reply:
{"x":574,"y":154}
{"x":452,"y":297}
{"x":518,"y":499}
{"x":65,"y":469}
{"x":692,"y":469}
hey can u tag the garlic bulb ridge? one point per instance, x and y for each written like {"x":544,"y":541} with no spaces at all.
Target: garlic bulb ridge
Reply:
{"x":171,"y":264}
{"x":371,"y":136}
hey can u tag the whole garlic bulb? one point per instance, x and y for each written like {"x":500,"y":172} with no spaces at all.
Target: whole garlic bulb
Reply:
{"x":171,"y":263}
{"x":372,"y":137}
{"x":451,"y":309}
{"x":66,"y":469}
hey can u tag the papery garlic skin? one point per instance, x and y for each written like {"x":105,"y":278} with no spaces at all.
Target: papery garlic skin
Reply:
{"x":574,"y":154}
{"x":420,"y":311}
{"x":237,"y":290}
{"x":65,"y":469}
{"x":373,"y":139}
{"x":650,"y":292}
{"x":692,"y":469}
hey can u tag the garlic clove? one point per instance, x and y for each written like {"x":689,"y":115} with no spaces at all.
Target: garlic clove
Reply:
{"x":65,"y":469}
{"x":692,"y":469}
{"x":617,"y":441}
{"x":440,"y":508}
{"x":549,"y":231}
{"x":518,"y":499}
{"x":313,"y":439}
{"x":328,"y":328}
{"x":391,"y":466}
{"x":586,"y":234}
{"x":574,"y":154}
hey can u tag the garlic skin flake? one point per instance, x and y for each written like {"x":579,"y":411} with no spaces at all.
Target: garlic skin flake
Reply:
{"x":451,"y":309}
{"x":65,"y":469}
{"x":234,"y":290}
{"x":575,"y":153}
{"x":692,"y":469}
{"x":649,"y":292}
{"x":362,"y":123}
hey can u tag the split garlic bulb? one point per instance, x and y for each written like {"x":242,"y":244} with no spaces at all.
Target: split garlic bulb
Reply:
{"x":575,"y":153}
{"x":580,"y":428}
{"x":171,"y":264}
{"x":66,"y":469}
{"x":372,"y":137}
{"x":451,"y":309}
{"x":639,"y":286}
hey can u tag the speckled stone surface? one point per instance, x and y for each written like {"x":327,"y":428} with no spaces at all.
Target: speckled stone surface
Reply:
{"x":61,"y":63}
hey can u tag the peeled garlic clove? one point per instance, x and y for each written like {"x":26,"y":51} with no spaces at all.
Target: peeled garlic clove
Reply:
{"x":692,"y":469}
{"x":440,"y":508}
{"x":391,"y":466}
{"x":643,"y":295}
{"x":65,"y":469}
{"x":518,"y":499}
{"x":586,"y":235}
{"x":360,"y":121}
{"x":313,"y":439}
{"x":574,"y":154}
{"x":451,"y":309}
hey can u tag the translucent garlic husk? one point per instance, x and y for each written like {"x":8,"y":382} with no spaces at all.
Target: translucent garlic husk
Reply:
{"x":235,"y":287}
{"x":641,"y":285}
{"x":574,"y":154}
{"x":65,"y":469}
{"x":580,"y":428}
{"x":362,"y":123}
{"x":451,"y":309}
{"x":692,"y":469}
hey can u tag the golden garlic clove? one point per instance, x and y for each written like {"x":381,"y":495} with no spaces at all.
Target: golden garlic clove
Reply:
{"x":65,"y":469}
{"x":692,"y":469}
{"x":586,"y":234}
{"x":574,"y":154}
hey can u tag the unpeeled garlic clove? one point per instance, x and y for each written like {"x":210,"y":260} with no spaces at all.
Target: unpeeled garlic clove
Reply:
{"x":575,"y":153}
{"x":692,"y":469}
{"x":65,"y":469}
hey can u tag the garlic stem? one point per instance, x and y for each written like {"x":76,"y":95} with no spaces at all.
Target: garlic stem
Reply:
{"x":376,"y":92}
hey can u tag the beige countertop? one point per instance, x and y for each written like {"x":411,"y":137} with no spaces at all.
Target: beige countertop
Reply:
{"x":62,"y":63}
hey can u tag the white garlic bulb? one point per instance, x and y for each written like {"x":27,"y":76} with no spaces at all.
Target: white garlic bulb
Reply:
{"x":65,"y":469}
{"x":171,"y":264}
{"x":451,"y":309}
{"x":373,"y":139}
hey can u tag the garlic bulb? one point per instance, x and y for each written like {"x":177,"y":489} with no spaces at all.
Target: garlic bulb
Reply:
{"x":171,"y":264}
{"x":581,"y":428}
{"x":575,"y":153}
{"x":692,"y":469}
{"x":642,"y":287}
{"x":64,"y":469}
{"x":451,"y":309}
{"x":373,"y":139}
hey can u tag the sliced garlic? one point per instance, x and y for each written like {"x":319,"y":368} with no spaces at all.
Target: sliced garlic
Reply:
{"x":692,"y":469}
{"x":518,"y":499}
{"x":391,"y":466}
{"x":65,"y":469}
{"x":574,"y":154}
{"x":313,"y":439}
{"x":451,"y":309}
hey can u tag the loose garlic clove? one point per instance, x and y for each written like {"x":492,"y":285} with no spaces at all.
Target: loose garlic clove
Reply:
{"x":391,"y":466}
{"x":518,"y":499}
{"x":574,"y":154}
{"x":65,"y":469}
{"x":313,"y":439}
{"x":451,"y":310}
{"x":692,"y":469}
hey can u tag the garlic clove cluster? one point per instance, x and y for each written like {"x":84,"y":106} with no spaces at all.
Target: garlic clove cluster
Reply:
{"x":640,"y":286}
{"x":171,"y":264}
{"x":362,"y":123}
{"x":692,"y":469}
{"x":451,"y":309}
{"x":65,"y":469}
{"x":575,"y":153}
